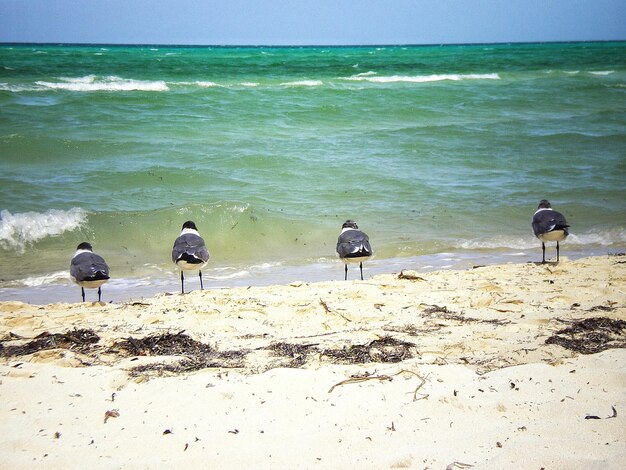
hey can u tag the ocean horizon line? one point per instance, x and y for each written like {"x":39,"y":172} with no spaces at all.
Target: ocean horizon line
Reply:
{"x":307,"y":46}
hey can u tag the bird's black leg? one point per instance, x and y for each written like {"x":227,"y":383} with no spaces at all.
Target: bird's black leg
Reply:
{"x":543,"y":248}
{"x":557,"y":251}
{"x":361,"y":267}
{"x":182,"y":282}
{"x":99,"y":293}
{"x":200,"y":274}
{"x":82,"y":291}
{"x":346,"y":278}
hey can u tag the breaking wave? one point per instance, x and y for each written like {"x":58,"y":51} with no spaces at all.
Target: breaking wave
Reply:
{"x":373,"y":78}
{"x":615,"y":236}
{"x":22,"y":229}
{"x":94,"y":83}
{"x":304,"y":83}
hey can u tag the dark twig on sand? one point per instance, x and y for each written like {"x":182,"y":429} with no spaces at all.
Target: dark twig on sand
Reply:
{"x":383,"y":378}
{"x":329,"y":311}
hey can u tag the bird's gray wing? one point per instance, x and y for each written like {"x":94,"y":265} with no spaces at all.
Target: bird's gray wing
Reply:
{"x":547,"y":221}
{"x":353,"y":243}
{"x":88,"y":266}
{"x":191,"y":245}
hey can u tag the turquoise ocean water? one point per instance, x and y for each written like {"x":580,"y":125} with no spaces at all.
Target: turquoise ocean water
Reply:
{"x":441,"y":154}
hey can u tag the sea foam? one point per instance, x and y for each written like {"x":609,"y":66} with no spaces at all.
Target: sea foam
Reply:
{"x":613,"y":236}
{"x":111,"y":83}
{"x":369,"y":77}
{"x":46,"y":279}
{"x":22,"y":229}
{"x":304,"y":83}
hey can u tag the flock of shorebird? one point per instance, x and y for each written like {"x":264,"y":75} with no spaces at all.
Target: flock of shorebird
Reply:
{"x":190,"y":253}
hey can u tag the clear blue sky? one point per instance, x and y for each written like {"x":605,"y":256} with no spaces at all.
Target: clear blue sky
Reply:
{"x":299,"y":22}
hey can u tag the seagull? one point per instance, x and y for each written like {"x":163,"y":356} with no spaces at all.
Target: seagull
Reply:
{"x":88,"y":269}
{"x":549,"y":226}
{"x":190,"y":252}
{"x":353,"y":245}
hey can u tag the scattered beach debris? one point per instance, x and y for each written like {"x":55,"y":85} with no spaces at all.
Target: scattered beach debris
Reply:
{"x":435,"y":309}
{"x":111,"y":414}
{"x":297,"y":352}
{"x":166,"y":344}
{"x":328,"y":310}
{"x":601,"y":308}
{"x":75,"y":340}
{"x":445,"y":314}
{"x":591,"y":335}
{"x":407,"y":329}
{"x":360,"y":379}
{"x":410,"y":276}
{"x":614,"y":415}
{"x":196,"y":355}
{"x":454,"y":465}
{"x":385,"y":349}
{"x":355,"y":379}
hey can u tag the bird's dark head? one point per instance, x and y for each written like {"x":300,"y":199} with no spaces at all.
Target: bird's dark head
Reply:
{"x":544,"y":204}
{"x":85,"y":246}
{"x":190,"y":224}
{"x":350,"y":224}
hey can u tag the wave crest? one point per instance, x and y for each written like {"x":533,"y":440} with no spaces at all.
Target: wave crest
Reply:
{"x":22,"y":229}
{"x":616,"y":236}
{"x":369,"y":77}
{"x":304,"y":83}
{"x":111,"y":83}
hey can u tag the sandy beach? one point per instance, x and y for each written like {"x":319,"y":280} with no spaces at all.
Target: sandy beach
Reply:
{"x":506,"y":366}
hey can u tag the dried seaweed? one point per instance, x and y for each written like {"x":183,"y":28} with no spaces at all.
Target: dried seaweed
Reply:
{"x":75,"y":340}
{"x":601,"y":308}
{"x":445,"y":314}
{"x":591,"y":335}
{"x":161,"y":368}
{"x":197,"y":355}
{"x":167,"y":344}
{"x":385,"y":349}
{"x":407,"y":329}
{"x":297,"y":352}
{"x":435,"y":309}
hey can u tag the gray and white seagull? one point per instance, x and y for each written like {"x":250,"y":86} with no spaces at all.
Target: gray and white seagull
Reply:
{"x":549,"y":226}
{"x":88,"y":269}
{"x":353,"y":245}
{"x":190,"y":252}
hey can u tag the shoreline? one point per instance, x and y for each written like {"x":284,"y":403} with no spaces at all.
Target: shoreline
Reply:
{"x":423,"y":370}
{"x":57,"y":287}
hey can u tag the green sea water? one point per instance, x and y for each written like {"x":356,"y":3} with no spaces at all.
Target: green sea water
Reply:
{"x":432,"y":150}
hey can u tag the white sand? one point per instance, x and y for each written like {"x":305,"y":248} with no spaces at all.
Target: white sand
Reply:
{"x":483,"y":388}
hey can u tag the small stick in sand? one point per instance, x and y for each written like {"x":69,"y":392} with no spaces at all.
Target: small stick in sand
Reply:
{"x":328,"y":310}
{"x":383,"y":378}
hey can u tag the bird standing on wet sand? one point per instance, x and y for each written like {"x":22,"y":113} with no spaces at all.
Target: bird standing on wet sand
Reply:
{"x":353,"y":246}
{"x":549,"y":226}
{"x":190,"y":252}
{"x":88,"y":269}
